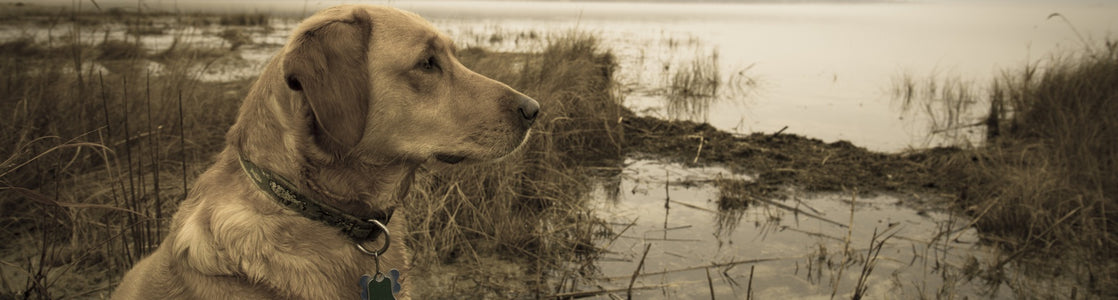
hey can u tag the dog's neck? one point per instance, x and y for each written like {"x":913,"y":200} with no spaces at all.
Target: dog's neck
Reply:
{"x":356,"y":187}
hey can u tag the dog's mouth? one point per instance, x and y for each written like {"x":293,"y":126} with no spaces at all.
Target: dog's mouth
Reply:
{"x":481,"y":152}
{"x":449,"y":159}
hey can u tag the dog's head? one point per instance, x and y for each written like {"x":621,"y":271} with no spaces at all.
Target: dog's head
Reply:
{"x":382,"y":82}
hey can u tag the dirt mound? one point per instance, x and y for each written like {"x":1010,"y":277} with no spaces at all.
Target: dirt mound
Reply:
{"x":783,"y":159}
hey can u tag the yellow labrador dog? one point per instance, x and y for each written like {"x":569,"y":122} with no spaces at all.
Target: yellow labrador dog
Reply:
{"x":300,"y":203}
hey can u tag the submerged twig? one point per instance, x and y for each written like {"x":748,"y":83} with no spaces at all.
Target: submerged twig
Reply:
{"x":846,"y":244}
{"x":694,"y":206}
{"x":710,"y":283}
{"x":713,"y":265}
{"x":799,"y":211}
{"x":749,"y":288}
{"x":871,"y":261}
{"x":637,"y":272}
{"x":698,"y":152}
{"x":586,"y":294}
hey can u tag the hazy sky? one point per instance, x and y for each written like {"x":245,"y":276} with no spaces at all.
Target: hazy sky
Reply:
{"x":300,"y":6}
{"x":133,"y":2}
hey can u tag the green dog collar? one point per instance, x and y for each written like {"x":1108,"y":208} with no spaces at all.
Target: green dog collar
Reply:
{"x":279,"y":189}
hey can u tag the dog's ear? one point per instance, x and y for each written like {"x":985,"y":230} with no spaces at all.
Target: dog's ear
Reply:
{"x":328,"y":64}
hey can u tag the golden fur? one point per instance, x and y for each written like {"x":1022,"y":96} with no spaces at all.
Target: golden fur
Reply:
{"x":358,"y":99}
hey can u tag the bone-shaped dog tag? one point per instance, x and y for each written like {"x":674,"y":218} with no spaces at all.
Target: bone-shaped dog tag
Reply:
{"x":377,"y":287}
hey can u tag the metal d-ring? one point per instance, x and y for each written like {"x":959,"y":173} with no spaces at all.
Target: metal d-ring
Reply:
{"x":382,"y":249}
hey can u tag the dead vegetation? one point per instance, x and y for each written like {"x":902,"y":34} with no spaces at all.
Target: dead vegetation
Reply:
{"x":529,"y":212}
{"x":778,"y":159}
{"x":1046,"y":182}
{"x":104,"y":138}
{"x":105,"y":148}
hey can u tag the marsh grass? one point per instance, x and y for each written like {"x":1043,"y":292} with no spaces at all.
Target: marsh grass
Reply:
{"x":117,"y":50}
{"x":235,"y":38}
{"x":104,"y":149}
{"x":99,"y":156}
{"x":21,"y":47}
{"x":947,"y":103}
{"x":700,"y":78}
{"x":530,"y":208}
{"x":97,"y":166}
{"x":245,"y":19}
{"x":693,"y":87}
{"x":1045,"y":183}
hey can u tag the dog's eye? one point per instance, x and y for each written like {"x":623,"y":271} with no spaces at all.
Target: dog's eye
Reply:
{"x":428,"y":65}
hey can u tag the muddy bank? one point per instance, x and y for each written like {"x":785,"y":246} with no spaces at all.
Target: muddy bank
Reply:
{"x":771,"y":163}
{"x":778,"y":159}
{"x":999,"y":187}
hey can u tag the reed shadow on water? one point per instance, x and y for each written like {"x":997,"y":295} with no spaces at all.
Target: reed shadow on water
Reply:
{"x":1039,"y":182}
{"x":694,"y":85}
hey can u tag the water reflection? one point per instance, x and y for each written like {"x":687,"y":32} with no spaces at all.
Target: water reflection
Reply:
{"x":824,"y":65}
{"x":691,"y":87}
{"x":807,"y":246}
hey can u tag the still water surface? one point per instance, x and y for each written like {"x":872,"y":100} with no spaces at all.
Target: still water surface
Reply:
{"x":822,"y":70}
{"x":792,"y":255}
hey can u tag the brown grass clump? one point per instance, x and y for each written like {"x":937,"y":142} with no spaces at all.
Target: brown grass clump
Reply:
{"x":1047,"y":181}
{"x":694,"y":87}
{"x":117,"y":49}
{"x":245,"y":19}
{"x":235,"y":38}
{"x":21,"y":47}
{"x":946,"y":102}
{"x":97,"y":163}
{"x":103,"y":151}
{"x":530,"y":208}
{"x":700,"y":78}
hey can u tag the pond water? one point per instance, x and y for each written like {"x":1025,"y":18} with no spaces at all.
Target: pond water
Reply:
{"x":823,"y":70}
{"x":793,"y":249}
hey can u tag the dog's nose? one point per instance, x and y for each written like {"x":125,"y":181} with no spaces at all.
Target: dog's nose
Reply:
{"x":528,"y":109}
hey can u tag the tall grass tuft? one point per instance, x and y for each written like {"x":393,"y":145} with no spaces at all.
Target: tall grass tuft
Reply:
{"x":92,"y":169}
{"x":700,"y":78}
{"x":1047,"y":180}
{"x":21,"y":47}
{"x":117,"y":50}
{"x":946,"y":102}
{"x":235,"y":38}
{"x":693,"y":87}
{"x":530,"y":208}
{"x":245,"y":19}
